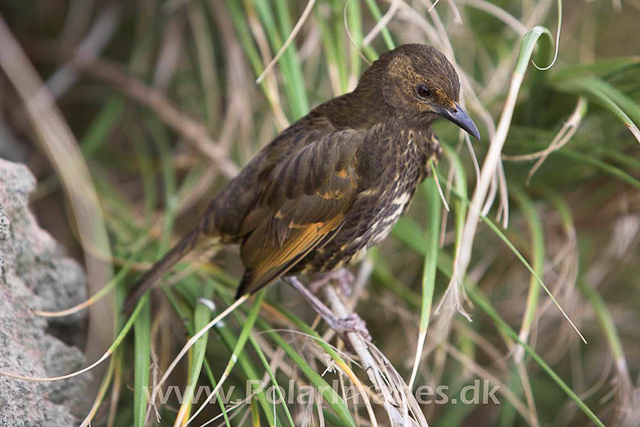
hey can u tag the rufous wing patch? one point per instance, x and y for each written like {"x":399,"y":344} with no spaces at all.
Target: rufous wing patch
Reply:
{"x":265,"y":263}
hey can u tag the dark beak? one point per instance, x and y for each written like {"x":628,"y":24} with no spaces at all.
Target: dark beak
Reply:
{"x":462,"y":119}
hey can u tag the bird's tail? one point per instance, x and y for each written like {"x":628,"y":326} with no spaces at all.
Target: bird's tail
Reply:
{"x":160,"y":268}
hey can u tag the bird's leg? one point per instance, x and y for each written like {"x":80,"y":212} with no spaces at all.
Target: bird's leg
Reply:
{"x":343,"y":277}
{"x":352,"y":323}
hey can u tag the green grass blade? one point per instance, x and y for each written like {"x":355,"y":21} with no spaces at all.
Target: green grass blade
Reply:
{"x":274,"y":381}
{"x":460,"y":182}
{"x":163,"y":143}
{"x":107,"y":118}
{"x":601,"y":68}
{"x":300,"y":101}
{"x":333,"y":399}
{"x":289,"y":65}
{"x":340,"y":40}
{"x":610,"y":169}
{"x":484,"y":304}
{"x":237,"y":345}
{"x":536,"y":236}
{"x":610,"y":98}
{"x":331,"y":53}
{"x":265,"y":363}
{"x":201,"y":317}
{"x":606,"y":323}
{"x":142,"y":329}
{"x":377,"y":15}
{"x":184,"y":313}
{"x":434,"y":205}
{"x":144,"y":155}
{"x":204,"y":53}
{"x":239,"y":19}
{"x":248,"y":369}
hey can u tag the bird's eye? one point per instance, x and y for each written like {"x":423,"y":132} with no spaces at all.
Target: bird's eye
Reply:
{"x":423,"y":91}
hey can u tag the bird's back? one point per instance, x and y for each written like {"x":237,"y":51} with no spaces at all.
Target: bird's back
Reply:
{"x":231,"y":206}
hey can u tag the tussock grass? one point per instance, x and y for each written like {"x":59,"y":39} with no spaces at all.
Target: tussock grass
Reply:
{"x":167,"y":101}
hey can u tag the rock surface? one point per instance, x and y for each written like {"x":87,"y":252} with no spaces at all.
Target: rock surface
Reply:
{"x":34,"y":274}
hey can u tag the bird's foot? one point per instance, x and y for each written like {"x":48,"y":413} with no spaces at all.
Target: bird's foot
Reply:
{"x":352,"y":323}
{"x":343,"y":277}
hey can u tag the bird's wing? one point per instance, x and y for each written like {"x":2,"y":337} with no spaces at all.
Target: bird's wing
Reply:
{"x":302,"y":207}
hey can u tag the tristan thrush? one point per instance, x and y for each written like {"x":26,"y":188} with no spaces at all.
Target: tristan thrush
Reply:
{"x":336,"y":181}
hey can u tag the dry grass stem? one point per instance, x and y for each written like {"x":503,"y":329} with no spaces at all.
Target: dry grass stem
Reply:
{"x":305,"y":14}
{"x":61,"y":147}
{"x":93,"y":44}
{"x":193,"y":131}
{"x":382,"y":23}
{"x":386,"y":386}
{"x":560,"y":140}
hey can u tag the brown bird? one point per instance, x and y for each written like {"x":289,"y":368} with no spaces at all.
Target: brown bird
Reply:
{"x":335,"y":182}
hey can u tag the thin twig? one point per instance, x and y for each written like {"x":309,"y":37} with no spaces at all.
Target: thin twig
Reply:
{"x":382,"y":23}
{"x":294,"y":32}
{"x":562,"y":137}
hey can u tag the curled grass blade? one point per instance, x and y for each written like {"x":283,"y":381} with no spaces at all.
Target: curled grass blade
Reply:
{"x":557,"y":43}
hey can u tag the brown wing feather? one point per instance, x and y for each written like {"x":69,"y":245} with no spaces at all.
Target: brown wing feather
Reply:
{"x":276,"y":263}
{"x":302,"y":208}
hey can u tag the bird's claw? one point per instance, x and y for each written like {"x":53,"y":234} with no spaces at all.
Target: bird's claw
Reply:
{"x":352,"y":323}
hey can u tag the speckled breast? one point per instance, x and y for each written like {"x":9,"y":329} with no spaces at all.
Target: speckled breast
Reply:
{"x":372,"y":217}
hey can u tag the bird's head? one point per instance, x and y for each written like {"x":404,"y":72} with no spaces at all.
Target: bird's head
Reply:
{"x":418,"y":81}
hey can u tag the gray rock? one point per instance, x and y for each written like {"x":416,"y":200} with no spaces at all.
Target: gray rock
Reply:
{"x":34,"y":274}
